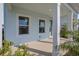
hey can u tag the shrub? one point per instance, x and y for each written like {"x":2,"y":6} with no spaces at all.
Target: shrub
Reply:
{"x":72,"y":46}
{"x":22,"y":51}
{"x":6,"y":47}
{"x":64,"y":31}
{"x":0,"y":51}
{"x":76,"y":36}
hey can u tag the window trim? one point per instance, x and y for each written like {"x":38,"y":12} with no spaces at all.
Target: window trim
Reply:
{"x":25,"y":26}
{"x":44,"y":25}
{"x":17,"y":24}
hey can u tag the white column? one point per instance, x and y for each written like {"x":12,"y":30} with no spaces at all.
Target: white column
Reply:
{"x":75,"y":18}
{"x":1,"y":19}
{"x":70,"y":24}
{"x":56,"y":29}
{"x":70,"y":21}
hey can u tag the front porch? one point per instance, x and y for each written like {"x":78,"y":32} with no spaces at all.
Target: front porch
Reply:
{"x":42,"y":48}
{"x":60,"y":14}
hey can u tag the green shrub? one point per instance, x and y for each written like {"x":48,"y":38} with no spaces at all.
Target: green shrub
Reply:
{"x":76,"y":36}
{"x":0,"y":51}
{"x":72,"y":46}
{"x":23,"y":47}
{"x":6,"y":47}
{"x":64,"y":31}
{"x":19,"y":53}
{"x":22,"y":51}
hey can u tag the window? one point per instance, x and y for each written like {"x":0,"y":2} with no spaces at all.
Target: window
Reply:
{"x":41,"y":26}
{"x":50,"y":29}
{"x":23,"y":25}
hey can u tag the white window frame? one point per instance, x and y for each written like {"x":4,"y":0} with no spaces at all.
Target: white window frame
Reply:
{"x":42,"y":18}
{"x":17,"y":23}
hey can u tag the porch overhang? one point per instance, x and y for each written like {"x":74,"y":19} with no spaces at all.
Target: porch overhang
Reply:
{"x":74,"y":6}
{"x":41,"y":8}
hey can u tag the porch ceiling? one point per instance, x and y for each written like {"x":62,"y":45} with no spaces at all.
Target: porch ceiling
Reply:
{"x":43,"y":8}
{"x":75,"y":6}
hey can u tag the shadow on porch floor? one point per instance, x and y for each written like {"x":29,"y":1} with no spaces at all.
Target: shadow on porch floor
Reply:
{"x":39,"y":52}
{"x":43,"y":48}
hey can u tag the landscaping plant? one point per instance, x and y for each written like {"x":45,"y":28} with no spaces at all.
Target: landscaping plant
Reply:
{"x":72,"y":46}
{"x":6,"y":50}
{"x":22,"y":51}
{"x":64,"y":31}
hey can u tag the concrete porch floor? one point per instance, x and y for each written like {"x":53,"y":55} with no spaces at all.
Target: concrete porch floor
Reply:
{"x":43,"y":47}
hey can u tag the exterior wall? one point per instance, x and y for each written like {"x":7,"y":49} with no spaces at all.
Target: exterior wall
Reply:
{"x":1,"y":19}
{"x":64,"y":20}
{"x":67,"y":19}
{"x":11,"y":25}
{"x":75,"y":18}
